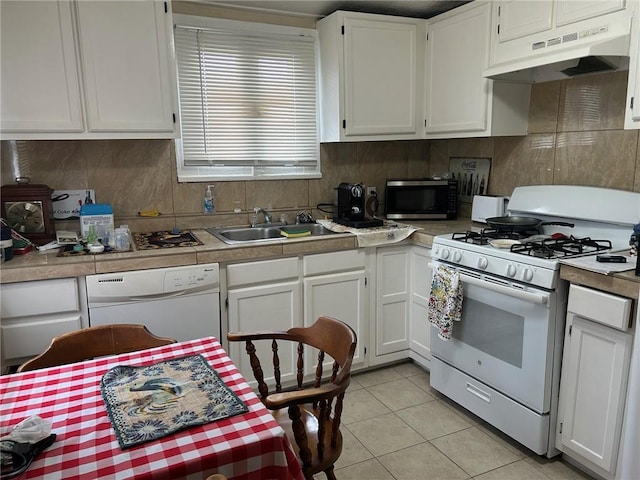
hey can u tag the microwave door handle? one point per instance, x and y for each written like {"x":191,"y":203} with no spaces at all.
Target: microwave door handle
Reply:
{"x":526,"y":296}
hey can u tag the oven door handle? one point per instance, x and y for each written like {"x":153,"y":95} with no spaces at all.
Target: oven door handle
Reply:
{"x":510,"y":292}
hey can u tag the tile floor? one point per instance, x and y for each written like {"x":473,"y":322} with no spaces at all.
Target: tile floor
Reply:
{"x":396,"y":427}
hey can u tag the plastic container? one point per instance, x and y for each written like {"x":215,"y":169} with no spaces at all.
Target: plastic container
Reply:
{"x":122,"y":238}
{"x":6,"y":245}
{"x":208,"y":206}
{"x":98,"y":215}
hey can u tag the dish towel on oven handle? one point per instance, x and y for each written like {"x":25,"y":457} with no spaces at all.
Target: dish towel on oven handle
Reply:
{"x":445,"y":300}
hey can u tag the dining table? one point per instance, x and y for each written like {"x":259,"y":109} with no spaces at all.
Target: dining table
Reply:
{"x":243,"y":446}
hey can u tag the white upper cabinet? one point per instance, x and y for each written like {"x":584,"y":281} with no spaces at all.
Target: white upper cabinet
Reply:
{"x":567,"y":12}
{"x":39,"y":74}
{"x":125,"y":58}
{"x":459,"y":101}
{"x":632,"y":106}
{"x":534,"y":28}
{"x":370,"y":77}
{"x":519,"y":18}
{"x":83,"y":70}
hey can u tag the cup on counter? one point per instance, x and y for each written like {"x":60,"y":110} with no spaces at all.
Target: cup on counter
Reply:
{"x":6,"y":245}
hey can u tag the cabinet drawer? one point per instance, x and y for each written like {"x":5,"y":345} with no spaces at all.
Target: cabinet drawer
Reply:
{"x":500,"y":411}
{"x":262,"y":272}
{"x":39,"y":298}
{"x":600,"y":307}
{"x":30,"y":338}
{"x":334,"y":262}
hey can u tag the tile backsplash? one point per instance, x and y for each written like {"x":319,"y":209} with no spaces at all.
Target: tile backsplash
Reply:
{"x":575,"y":136}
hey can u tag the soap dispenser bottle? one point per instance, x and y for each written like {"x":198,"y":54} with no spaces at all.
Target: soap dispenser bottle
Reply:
{"x":207,"y":203}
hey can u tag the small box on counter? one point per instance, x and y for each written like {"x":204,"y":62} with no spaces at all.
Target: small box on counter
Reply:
{"x":67,"y":203}
{"x":99,"y":215}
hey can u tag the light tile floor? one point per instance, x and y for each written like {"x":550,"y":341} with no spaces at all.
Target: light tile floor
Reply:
{"x":396,"y":427}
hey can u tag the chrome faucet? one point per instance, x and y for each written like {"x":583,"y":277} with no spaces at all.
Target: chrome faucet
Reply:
{"x":267,"y":215}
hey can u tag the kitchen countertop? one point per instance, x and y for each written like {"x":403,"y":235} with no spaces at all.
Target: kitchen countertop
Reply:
{"x":42,"y":266}
{"x":38,"y":266}
{"x":626,"y":284}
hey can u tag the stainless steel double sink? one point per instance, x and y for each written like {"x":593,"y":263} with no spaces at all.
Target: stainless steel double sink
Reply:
{"x":263,"y":233}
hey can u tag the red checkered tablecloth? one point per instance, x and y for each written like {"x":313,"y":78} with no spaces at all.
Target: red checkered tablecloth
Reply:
{"x":246,"y":446}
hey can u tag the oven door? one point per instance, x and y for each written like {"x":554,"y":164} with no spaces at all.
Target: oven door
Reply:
{"x":505,"y":338}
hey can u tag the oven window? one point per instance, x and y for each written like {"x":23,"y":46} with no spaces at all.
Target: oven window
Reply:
{"x":496,"y":332}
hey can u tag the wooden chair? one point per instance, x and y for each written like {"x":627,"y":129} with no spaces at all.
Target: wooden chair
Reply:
{"x":311,"y":425}
{"x":94,"y":342}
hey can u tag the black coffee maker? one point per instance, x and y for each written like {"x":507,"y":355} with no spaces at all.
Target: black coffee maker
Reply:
{"x":350,"y":210}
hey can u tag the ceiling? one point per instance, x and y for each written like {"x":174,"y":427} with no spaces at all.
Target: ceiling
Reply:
{"x":322,"y":8}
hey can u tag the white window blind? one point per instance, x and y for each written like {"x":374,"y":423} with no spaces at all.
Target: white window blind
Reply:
{"x":247,"y":102}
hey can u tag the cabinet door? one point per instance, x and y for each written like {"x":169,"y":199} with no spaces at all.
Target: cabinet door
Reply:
{"x":380,"y":68}
{"x":457,"y":95}
{"x":40,"y":87}
{"x":341,"y":296}
{"x":31,"y":336}
{"x":632,"y":111}
{"x":265,"y":307}
{"x":419,"y":326}
{"x":567,"y":12}
{"x":124,"y":48}
{"x":518,"y":18}
{"x":594,"y":373}
{"x":392,"y":300}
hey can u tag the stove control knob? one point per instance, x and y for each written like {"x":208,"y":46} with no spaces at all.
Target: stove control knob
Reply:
{"x":528,"y":274}
{"x":511,"y":270}
{"x":445,"y":253}
{"x":483,"y":263}
{"x":457,"y":256}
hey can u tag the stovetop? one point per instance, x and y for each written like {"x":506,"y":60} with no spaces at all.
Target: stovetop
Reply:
{"x":561,"y":247}
{"x":602,"y":221}
{"x":534,"y":243}
{"x":164,"y":239}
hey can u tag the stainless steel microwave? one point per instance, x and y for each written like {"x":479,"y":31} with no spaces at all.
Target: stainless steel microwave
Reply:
{"x":421,"y":199}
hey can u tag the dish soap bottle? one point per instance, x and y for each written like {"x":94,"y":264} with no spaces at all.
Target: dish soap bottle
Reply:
{"x":207,"y":204}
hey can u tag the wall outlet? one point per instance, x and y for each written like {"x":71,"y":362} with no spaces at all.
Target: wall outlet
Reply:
{"x":372,"y":191}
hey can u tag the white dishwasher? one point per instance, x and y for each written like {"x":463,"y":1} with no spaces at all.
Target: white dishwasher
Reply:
{"x":176,"y":302}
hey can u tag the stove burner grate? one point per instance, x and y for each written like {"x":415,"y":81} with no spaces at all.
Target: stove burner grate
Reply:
{"x":562,"y":247}
{"x":482,"y":237}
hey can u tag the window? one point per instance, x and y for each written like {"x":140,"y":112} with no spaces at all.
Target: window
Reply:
{"x":248,"y":100}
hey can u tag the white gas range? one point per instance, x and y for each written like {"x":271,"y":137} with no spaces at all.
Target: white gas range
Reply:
{"x":503,"y":360}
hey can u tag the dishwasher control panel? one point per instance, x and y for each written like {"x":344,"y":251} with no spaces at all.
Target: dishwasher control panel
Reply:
{"x":191,"y":277}
{"x":138,"y":285}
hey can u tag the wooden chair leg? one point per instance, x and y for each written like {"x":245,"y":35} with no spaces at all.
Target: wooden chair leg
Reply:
{"x":300,"y":435}
{"x":329,"y":473}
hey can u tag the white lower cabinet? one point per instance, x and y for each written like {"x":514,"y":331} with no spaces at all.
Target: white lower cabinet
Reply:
{"x":269,"y":295}
{"x":279,"y":294}
{"x":594,"y":378}
{"x":392,"y":304}
{"x":335,"y":285}
{"x":264,"y":295}
{"x":419,"y":327}
{"x":33,"y":313}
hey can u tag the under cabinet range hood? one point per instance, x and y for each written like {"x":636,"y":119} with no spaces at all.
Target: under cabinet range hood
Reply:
{"x":553,"y":56}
